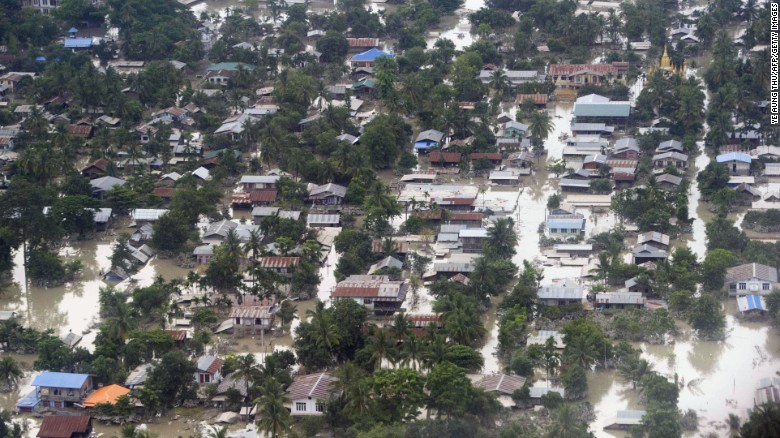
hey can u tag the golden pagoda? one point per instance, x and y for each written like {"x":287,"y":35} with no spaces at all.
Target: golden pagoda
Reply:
{"x":666,"y":65}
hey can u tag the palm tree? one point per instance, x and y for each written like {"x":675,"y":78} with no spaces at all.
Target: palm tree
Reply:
{"x":435,"y":352}
{"x":502,"y":238}
{"x":566,"y":424}
{"x":10,"y":371}
{"x":602,"y":270}
{"x":326,"y":333}
{"x":246,"y":368}
{"x":634,"y":370}
{"x":274,"y":417}
{"x":582,"y":351}
{"x":499,"y":82}
{"x":540,"y":126}
{"x":401,"y":327}
{"x":222,"y":432}
{"x":411,"y":351}
{"x":381,"y":348}
{"x":286,"y":313}
{"x":122,"y":319}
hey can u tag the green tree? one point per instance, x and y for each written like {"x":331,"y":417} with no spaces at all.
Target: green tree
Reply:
{"x":714,"y":266}
{"x":275,"y":419}
{"x":399,"y":394}
{"x":448,"y":389}
{"x":764,"y":422}
{"x":706,"y":316}
{"x":171,"y":380}
{"x":540,"y":125}
{"x":502,"y":239}
{"x":566,"y":424}
{"x":10,"y":373}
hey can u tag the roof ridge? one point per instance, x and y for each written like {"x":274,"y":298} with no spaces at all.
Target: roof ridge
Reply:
{"x":501,"y":380}
{"x":322,"y":374}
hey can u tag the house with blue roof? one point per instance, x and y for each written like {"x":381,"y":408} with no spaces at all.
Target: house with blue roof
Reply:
{"x":737,"y":162}
{"x":598,"y":109}
{"x":61,"y":390}
{"x":565,"y":225}
{"x":78,"y":43}
{"x":367,"y":58}
{"x":751,"y":304}
{"x":428,"y":139}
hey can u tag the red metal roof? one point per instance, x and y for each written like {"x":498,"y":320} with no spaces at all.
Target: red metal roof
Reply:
{"x":278,"y":262}
{"x":362,"y":42}
{"x":164,"y":192}
{"x":177,"y":335}
{"x":80,"y":130}
{"x":466,"y":216}
{"x":623,"y":164}
{"x":251,"y":312}
{"x":567,"y":69}
{"x":215,"y":366}
{"x":99,"y":164}
{"x":58,"y":426}
{"x":459,"y":201}
{"x":447,"y":157}
{"x":263,"y":196}
{"x":428,"y":214}
{"x":311,"y":386}
{"x":539,"y":99}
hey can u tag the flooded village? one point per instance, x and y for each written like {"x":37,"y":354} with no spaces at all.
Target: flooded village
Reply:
{"x":292,"y":218}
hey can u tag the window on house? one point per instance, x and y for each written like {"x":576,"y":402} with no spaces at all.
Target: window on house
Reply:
{"x":553,"y":230}
{"x":367,"y":301}
{"x":742,"y":286}
{"x":300,"y":406}
{"x":765,"y":286}
{"x":56,"y":391}
{"x":320,"y":407}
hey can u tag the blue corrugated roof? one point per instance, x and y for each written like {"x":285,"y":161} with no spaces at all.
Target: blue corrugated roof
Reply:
{"x":60,"y":380}
{"x":370,"y":55}
{"x":425,"y":144}
{"x":565,"y":223}
{"x":78,"y":43}
{"x":754,"y":302}
{"x":733,"y":156}
{"x":73,"y":30}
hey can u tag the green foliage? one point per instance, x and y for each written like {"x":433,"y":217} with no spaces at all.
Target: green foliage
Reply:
{"x":764,"y":421}
{"x":712,"y":178}
{"x":714,"y":266}
{"x":333,"y":46}
{"x":448,"y":389}
{"x":575,"y":382}
{"x":44,"y":266}
{"x":399,"y":394}
{"x":171,"y":380}
{"x":706,"y":316}
{"x":721,"y":233}
{"x":650,"y":207}
{"x":171,"y":232}
{"x":662,"y":418}
{"x":511,"y":329}
{"x":763,"y":221}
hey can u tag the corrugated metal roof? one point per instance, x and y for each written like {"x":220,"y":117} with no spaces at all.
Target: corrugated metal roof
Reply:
{"x":560,"y":292}
{"x":64,"y":426}
{"x":278,"y":262}
{"x":333,"y":219}
{"x":502,"y":383}
{"x":311,"y":386}
{"x":209,"y":364}
{"x":106,"y":394}
{"x":606,"y":109}
{"x":60,"y":380}
{"x":147,"y":214}
{"x":251,"y":312}
{"x":751,"y":302}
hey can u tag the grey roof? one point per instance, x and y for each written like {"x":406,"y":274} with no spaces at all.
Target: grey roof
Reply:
{"x":7,"y":315}
{"x":71,"y":339}
{"x":568,"y":221}
{"x":629,"y":417}
{"x":205,"y":362}
{"x":259,"y":179}
{"x":447,"y":237}
{"x":473,"y":232}
{"x":106,"y":183}
{"x":148,"y":214}
{"x":265,"y":211}
{"x":452,"y":228}
{"x":649,"y":251}
{"x":387,"y":262}
{"x":453,"y":267}
{"x":102,"y":215}
{"x":503,"y":175}
{"x":560,"y":292}
{"x":289,"y":214}
{"x":653,"y":236}
{"x":539,"y":391}
{"x":202,"y":173}
{"x":619,"y":298}
{"x":607,"y":109}
{"x":430,"y":135}
{"x":349,"y":138}
{"x":203,"y":250}
{"x":569,"y":182}
{"x":669,"y":145}
{"x":591,"y":127}
{"x":332,"y":219}
{"x":515,"y":125}
{"x":328,"y":189}
{"x":673,"y":155}
{"x":138,"y":375}
{"x":592,"y":98}
{"x":669,"y":178}
{"x":220,"y":228}
{"x":626,"y":144}
{"x":751,"y":270}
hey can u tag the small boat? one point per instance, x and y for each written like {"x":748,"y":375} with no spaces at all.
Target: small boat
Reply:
{"x":461,"y":35}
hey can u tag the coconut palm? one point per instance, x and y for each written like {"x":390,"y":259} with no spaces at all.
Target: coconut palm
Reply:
{"x":411,"y":351}
{"x":381,"y":348}
{"x":221,"y":432}
{"x":435,"y":352}
{"x":634,"y":370}
{"x":286,"y":313}
{"x":401,"y":327}
{"x":121,"y":320}
{"x":10,"y":371}
{"x":502,"y":239}
{"x":566,"y":424}
{"x":540,"y":126}
{"x":246,"y":368}
{"x":602,"y":270}
{"x":499,"y":82}
{"x":275,"y":419}
{"x":582,"y":351}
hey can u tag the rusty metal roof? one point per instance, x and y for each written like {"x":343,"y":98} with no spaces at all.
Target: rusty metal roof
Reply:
{"x":251,"y":312}
{"x":362,"y":42}
{"x":58,"y":426}
{"x":278,"y":262}
{"x":177,"y":335}
{"x":503,"y":383}
{"x":311,"y":386}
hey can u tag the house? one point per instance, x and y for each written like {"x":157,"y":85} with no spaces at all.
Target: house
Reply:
{"x":620,"y":300}
{"x":65,"y":426}
{"x":541,"y":337}
{"x":428,"y":139}
{"x":166,"y":193}
{"x":367,"y":58}
{"x":668,"y":181}
{"x":772,"y":170}
{"x":594,"y":162}
{"x":647,"y":253}
{"x":96,"y":169}
{"x":209,"y":369}
{"x":388,"y":262}
{"x":674,"y":159}
{"x":753,"y":304}
{"x":107,"y":394}
{"x":751,"y":278}
{"x":138,"y":376}
{"x":444,"y":159}
{"x":655,"y":239}
{"x":252,"y":319}
{"x":323,"y":220}
{"x":220,"y":229}
{"x":574,"y":249}
{"x":502,"y":384}
{"x":170,"y":115}
{"x":258,"y":182}
{"x":574,"y":184}
{"x":262,"y":197}
{"x":219,"y":77}
{"x":594,"y":129}
{"x":280,"y":265}
{"x":12,"y":79}
{"x":142,"y":216}
{"x":359,"y":44}
{"x":202,"y":174}
{"x":625,"y":420}
{"x":377,"y":293}
{"x":562,"y":225}
{"x":504,"y":177}
{"x":737,"y":162}
{"x":514,"y":129}
{"x":598,"y":109}
{"x":260,"y":213}
{"x":540,"y":100}
{"x":203,"y":253}
{"x":100,"y":186}
{"x":470,"y":220}
{"x":626,"y":148}
{"x":60,"y":390}
{"x":309,"y":393}
{"x":84,"y":131}
{"x":472,"y":239}
{"x":327,"y":194}
{"x":559,"y":295}
{"x":514,"y":77}
{"x":579,"y":75}
{"x":537,"y":392}
{"x":669,"y":146}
